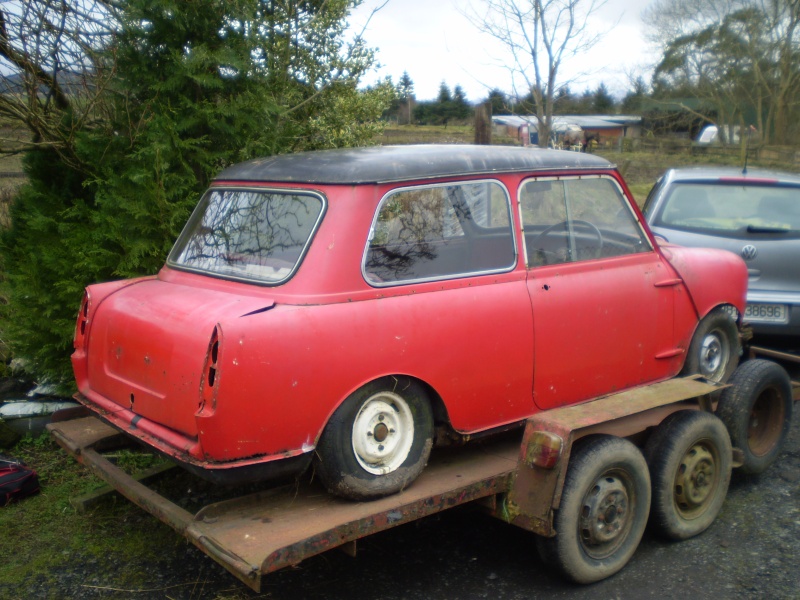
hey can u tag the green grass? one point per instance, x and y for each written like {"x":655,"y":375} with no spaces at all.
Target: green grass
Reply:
{"x":427,"y":134}
{"x":43,"y":533}
{"x":641,"y":169}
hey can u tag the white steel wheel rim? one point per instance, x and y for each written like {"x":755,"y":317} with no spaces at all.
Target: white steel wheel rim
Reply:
{"x":383,"y":432}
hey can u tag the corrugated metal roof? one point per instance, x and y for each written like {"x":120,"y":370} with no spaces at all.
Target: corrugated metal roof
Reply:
{"x":583,"y":121}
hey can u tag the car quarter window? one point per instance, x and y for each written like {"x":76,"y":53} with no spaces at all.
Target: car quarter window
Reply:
{"x":582,"y":218}
{"x":440,"y":232}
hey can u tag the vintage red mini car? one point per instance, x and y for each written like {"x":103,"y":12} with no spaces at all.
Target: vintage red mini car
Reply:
{"x":344,"y":305}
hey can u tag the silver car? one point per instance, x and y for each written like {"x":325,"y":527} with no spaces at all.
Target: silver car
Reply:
{"x":755,"y":215}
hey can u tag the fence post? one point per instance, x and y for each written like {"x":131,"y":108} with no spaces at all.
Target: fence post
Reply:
{"x":483,"y":124}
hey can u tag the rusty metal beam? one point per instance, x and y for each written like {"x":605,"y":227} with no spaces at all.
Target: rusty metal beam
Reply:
{"x":260,"y":533}
{"x":83,"y":503}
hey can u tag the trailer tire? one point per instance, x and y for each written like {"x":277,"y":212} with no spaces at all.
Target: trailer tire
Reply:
{"x":603,"y":510}
{"x":757,"y":410}
{"x":378,"y":440}
{"x":689,"y":456}
{"x":715,"y":348}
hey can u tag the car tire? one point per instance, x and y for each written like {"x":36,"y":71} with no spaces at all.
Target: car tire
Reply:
{"x":689,"y":456}
{"x":715,"y":348}
{"x":378,"y":440}
{"x":757,"y":410}
{"x":603,"y":510}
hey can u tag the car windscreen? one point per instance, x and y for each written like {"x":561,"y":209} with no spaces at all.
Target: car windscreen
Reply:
{"x":731,"y":209}
{"x":254,"y":235}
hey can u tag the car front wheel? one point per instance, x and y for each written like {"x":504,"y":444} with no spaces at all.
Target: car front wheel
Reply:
{"x":715,"y":348}
{"x":378,"y":441}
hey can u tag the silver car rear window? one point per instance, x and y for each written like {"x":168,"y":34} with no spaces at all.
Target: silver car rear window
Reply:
{"x":732,"y":209}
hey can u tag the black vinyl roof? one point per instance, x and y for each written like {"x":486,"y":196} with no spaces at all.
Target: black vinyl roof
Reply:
{"x":378,"y":164}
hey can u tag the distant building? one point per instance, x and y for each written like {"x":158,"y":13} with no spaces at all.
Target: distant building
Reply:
{"x":603,"y":128}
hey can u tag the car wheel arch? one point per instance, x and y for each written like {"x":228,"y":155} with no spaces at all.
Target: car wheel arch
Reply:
{"x":441,"y":415}
{"x":724,"y":344}
{"x":694,"y":266}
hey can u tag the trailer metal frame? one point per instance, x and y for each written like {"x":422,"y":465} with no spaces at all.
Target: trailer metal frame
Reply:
{"x":257,"y":534}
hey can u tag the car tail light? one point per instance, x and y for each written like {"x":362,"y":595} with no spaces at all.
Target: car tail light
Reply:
{"x":81,"y":327}
{"x":210,"y":382}
{"x":544,"y":449}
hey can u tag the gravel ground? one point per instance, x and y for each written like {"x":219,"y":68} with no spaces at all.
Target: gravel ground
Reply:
{"x":750,"y":552}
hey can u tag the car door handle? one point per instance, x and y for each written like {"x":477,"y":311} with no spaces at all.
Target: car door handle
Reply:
{"x":668,"y":282}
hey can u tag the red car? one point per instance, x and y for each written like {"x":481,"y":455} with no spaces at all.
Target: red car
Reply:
{"x":342,"y":306}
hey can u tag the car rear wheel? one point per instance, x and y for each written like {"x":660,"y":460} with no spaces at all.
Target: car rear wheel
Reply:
{"x":715,"y":348}
{"x":603,"y":510}
{"x":690,"y":468}
{"x":378,"y":441}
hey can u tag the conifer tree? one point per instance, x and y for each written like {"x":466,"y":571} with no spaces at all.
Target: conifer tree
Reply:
{"x":188,"y":88}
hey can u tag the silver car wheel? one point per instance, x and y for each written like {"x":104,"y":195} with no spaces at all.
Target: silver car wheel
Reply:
{"x":714,"y":355}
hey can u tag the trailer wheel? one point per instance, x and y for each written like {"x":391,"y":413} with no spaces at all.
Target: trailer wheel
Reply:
{"x":378,"y":441}
{"x":603,"y":510}
{"x":757,"y":410}
{"x":690,"y":468}
{"x":715,"y":348}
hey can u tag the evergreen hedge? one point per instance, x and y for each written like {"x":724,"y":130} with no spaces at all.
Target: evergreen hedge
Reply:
{"x":198,"y":85}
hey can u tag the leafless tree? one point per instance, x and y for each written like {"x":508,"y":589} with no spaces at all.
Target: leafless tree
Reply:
{"x":538,"y":36}
{"x":51,"y":70}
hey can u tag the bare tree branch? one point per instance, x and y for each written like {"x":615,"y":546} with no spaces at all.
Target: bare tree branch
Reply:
{"x":538,"y":35}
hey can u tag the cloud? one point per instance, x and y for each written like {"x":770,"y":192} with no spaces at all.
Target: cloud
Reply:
{"x":433,"y":41}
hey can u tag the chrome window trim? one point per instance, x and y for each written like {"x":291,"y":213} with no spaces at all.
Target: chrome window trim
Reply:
{"x":252,"y":188}
{"x":393,"y":191}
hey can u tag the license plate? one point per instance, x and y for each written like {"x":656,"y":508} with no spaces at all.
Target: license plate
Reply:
{"x":766,"y":313}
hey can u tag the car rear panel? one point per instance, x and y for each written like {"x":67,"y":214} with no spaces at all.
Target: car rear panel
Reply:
{"x":147,"y":347}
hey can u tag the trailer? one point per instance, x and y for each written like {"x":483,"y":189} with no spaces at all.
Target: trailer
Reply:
{"x":585,"y":478}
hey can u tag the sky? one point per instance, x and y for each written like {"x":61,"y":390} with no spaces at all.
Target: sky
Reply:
{"x":433,"y":41}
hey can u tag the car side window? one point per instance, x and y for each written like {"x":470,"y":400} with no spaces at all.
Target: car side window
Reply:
{"x":584,"y":218}
{"x":440,"y":232}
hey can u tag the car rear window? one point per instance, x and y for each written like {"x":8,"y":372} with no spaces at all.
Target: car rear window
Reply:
{"x":732,"y":209}
{"x":254,"y":235}
{"x":440,"y":232}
